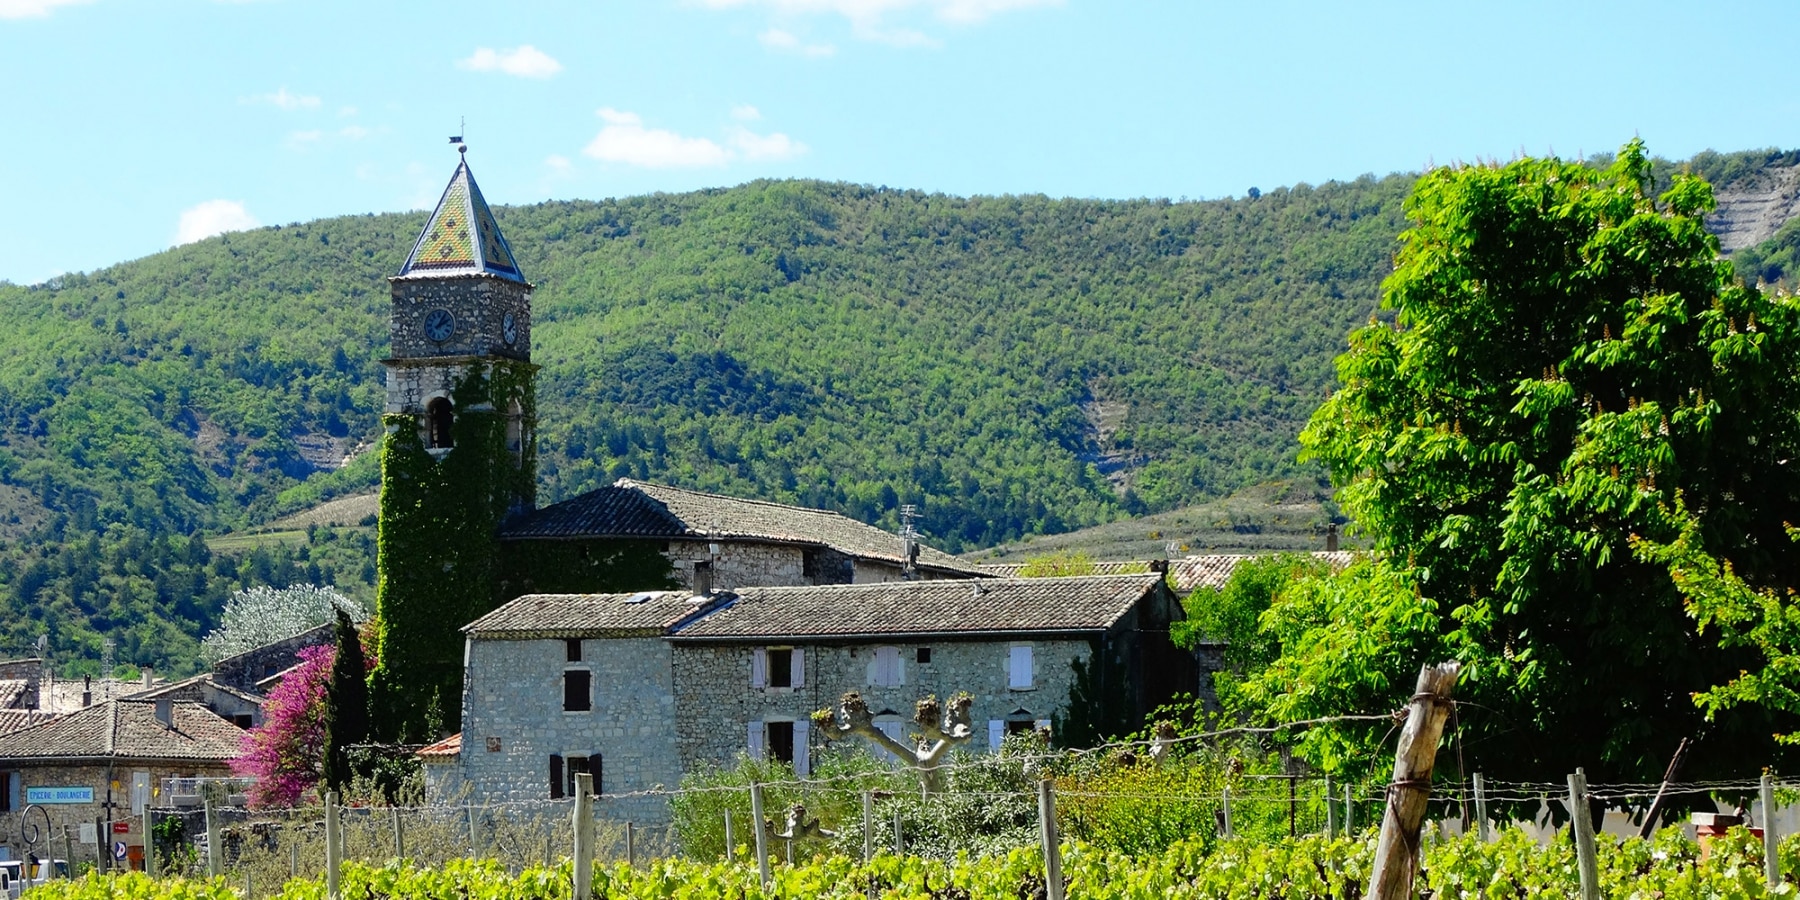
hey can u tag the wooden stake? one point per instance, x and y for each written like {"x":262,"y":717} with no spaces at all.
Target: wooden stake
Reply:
{"x":761,"y":832}
{"x":868,"y":825}
{"x":1330,"y":812}
{"x":1053,"y":881}
{"x":582,"y":824}
{"x":1481,"y":819}
{"x":399,"y":833}
{"x":474,"y":836}
{"x":1582,"y":821}
{"x":899,"y":845}
{"x":730,"y":841}
{"x":213,"y":862}
{"x":1649,"y":826}
{"x":334,"y":845}
{"x":1396,"y":852}
{"x":1225,"y":806}
{"x":1771,"y":854}
{"x":150,"y":867}
{"x":1349,"y":826}
{"x":630,"y":846}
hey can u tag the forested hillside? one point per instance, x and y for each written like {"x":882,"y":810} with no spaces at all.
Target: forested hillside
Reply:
{"x":1013,"y":365}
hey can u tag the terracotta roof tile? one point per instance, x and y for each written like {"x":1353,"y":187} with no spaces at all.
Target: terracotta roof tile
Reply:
{"x":447,"y":748}
{"x":1214,"y":569}
{"x":576,"y":615}
{"x":12,"y":720}
{"x":128,"y":729}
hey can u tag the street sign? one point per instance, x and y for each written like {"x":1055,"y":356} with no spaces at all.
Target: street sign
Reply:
{"x":118,"y":849}
{"x":48,"y":795}
{"x":121,"y":827}
{"x":87,"y":834}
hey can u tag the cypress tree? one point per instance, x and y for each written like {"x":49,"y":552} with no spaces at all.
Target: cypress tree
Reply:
{"x":346,"y":704}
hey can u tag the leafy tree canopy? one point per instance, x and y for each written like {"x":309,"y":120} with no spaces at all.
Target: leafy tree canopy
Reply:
{"x":1572,"y":377}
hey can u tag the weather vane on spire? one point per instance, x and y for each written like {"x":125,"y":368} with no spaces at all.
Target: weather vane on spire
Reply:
{"x":457,"y":139}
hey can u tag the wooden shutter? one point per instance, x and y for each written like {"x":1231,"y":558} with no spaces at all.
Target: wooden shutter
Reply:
{"x":759,"y":668}
{"x":1019,"y":667}
{"x":556,"y":777}
{"x":996,"y":733}
{"x":802,"y":758}
{"x":755,"y":742}
{"x":797,"y":669}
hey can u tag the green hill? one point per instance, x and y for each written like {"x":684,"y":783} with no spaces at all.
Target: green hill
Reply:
{"x":1012,"y":365}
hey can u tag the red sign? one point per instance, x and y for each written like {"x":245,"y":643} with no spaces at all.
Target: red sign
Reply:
{"x":121,"y":828}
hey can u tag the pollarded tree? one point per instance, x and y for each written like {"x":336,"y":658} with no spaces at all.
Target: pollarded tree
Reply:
{"x":1569,"y":358}
{"x":263,"y":615}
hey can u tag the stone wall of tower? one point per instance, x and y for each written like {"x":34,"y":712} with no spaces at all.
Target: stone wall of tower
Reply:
{"x":479,"y":304}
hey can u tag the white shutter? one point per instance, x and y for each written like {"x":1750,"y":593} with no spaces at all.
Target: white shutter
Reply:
{"x":891,"y":729}
{"x":802,"y":756}
{"x":756,"y":740}
{"x":759,"y":668}
{"x":1019,"y":667}
{"x":886,"y":668}
{"x":797,"y":668}
{"x":996,"y":733}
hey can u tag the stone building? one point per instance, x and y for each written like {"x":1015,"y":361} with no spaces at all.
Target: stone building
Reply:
{"x":106,"y":762}
{"x":638,"y":688}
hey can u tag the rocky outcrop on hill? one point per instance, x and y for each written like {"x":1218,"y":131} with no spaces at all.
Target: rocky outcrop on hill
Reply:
{"x":1751,"y":209}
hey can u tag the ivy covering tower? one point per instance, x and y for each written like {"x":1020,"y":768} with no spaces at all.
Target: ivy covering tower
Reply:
{"x":458,"y":457}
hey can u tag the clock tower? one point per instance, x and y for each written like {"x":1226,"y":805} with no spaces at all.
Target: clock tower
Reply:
{"x":458,"y":457}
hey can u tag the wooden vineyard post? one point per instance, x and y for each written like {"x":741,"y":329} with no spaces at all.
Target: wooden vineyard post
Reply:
{"x":1053,"y":882}
{"x":214,"y":861}
{"x":1330,"y":812}
{"x":334,"y":845}
{"x":399,"y":833}
{"x":761,"y":831}
{"x":730,"y":839}
{"x":1349,"y":826}
{"x":1481,"y":819}
{"x":1650,"y":817}
{"x":150,"y":867}
{"x":868,"y":825}
{"x":583,"y":828}
{"x":1396,"y":851}
{"x":1581,"y":820}
{"x":1771,"y":855}
{"x":1225,"y":808}
{"x":630,"y":846}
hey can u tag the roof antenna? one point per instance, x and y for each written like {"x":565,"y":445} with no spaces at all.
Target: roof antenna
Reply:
{"x":909,"y":542}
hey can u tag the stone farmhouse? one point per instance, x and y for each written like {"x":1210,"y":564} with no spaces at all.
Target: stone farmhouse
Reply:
{"x":638,"y":688}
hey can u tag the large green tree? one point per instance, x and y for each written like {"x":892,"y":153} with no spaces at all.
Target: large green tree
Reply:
{"x":1570,"y":378}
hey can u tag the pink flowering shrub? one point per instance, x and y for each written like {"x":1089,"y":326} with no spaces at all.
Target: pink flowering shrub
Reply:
{"x":284,"y":754}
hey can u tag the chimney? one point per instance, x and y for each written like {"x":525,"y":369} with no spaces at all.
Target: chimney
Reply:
{"x":165,"y":712}
{"x":1331,"y":536}
{"x":149,"y":677}
{"x":703,"y":577}
{"x":87,"y":691}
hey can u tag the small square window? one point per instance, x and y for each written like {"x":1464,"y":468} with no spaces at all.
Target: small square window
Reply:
{"x":573,"y":646}
{"x":493,"y":745}
{"x":924,"y":657}
{"x":576,"y":683}
{"x":781,"y":668}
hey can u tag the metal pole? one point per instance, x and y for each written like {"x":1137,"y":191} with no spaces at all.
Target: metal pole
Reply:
{"x":1330,"y":812}
{"x":868,"y":825}
{"x":1481,"y":819}
{"x":1053,"y":882}
{"x":334,"y":845}
{"x":1771,"y":857}
{"x":583,"y":827}
{"x":1225,"y":797}
{"x":213,"y":863}
{"x":1583,"y":825}
{"x":1293,"y":823}
{"x":474,"y":836}
{"x":1349,"y":826}
{"x":761,"y":832}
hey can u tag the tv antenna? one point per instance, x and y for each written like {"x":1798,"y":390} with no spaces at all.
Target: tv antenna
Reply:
{"x":909,"y":541}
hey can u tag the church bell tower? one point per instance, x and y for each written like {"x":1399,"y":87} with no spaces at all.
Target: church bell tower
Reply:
{"x":458,"y":457}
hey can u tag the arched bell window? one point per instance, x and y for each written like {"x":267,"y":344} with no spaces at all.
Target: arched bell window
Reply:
{"x":515,"y":432}
{"x":439,"y":416}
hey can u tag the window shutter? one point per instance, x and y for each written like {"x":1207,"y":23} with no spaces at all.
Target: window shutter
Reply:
{"x":996,"y":733}
{"x":756,"y":740}
{"x":1019,"y":667}
{"x":798,"y":668}
{"x":556,"y":777}
{"x":759,"y":668}
{"x":802,"y":756}
{"x":14,"y":791}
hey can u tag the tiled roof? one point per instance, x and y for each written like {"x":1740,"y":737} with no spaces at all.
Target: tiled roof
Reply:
{"x":194,"y":689}
{"x":15,"y":691}
{"x":128,"y":729}
{"x":1214,"y":569}
{"x":634,"y":509}
{"x":1101,"y":567}
{"x":577,"y":615}
{"x":12,"y":720}
{"x":947,"y":608}
{"x":461,"y":237}
{"x":448,"y":748}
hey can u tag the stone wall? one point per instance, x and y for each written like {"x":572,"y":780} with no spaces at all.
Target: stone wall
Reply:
{"x":514,"y":719}
{"x":98,"y":777}
{"x":479,"y":306}
{"x":244,"y":670}
{"x":716,"y":703}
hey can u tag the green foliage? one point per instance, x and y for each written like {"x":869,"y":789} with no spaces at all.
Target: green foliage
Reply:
{"x":1058,"y":565}
{"x":1099,"y":707}
{"x":1774,"y":262}
{"x":264,"y":615}
{"x":1569,"y":357}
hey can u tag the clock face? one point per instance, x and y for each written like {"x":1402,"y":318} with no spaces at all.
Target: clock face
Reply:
{"x":509,"y":329}
{"x":439,"y":325}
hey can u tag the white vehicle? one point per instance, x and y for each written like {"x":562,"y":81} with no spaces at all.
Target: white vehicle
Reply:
{"x":14,"y":879}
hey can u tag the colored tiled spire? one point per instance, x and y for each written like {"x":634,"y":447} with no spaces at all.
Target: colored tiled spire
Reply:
{"x":461,"y":237}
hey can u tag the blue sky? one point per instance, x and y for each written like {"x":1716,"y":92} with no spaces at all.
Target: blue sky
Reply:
{"x":127,"y":126}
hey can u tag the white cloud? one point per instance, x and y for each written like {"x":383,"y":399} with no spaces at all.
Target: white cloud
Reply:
{"x":283,"y":98}
{"x":32,"y":9}
{"x":558,"y":164}
{"x":524,"y":61}
{"x":203,"y":220}
{"x":346,"y":111}
{"x":746,"y":113}
{"x":626,"y":140}
{"x":778,"y":39}
{"x":353,"y":132}
{"x":303,"y":138}
{"x":765,"y":147}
